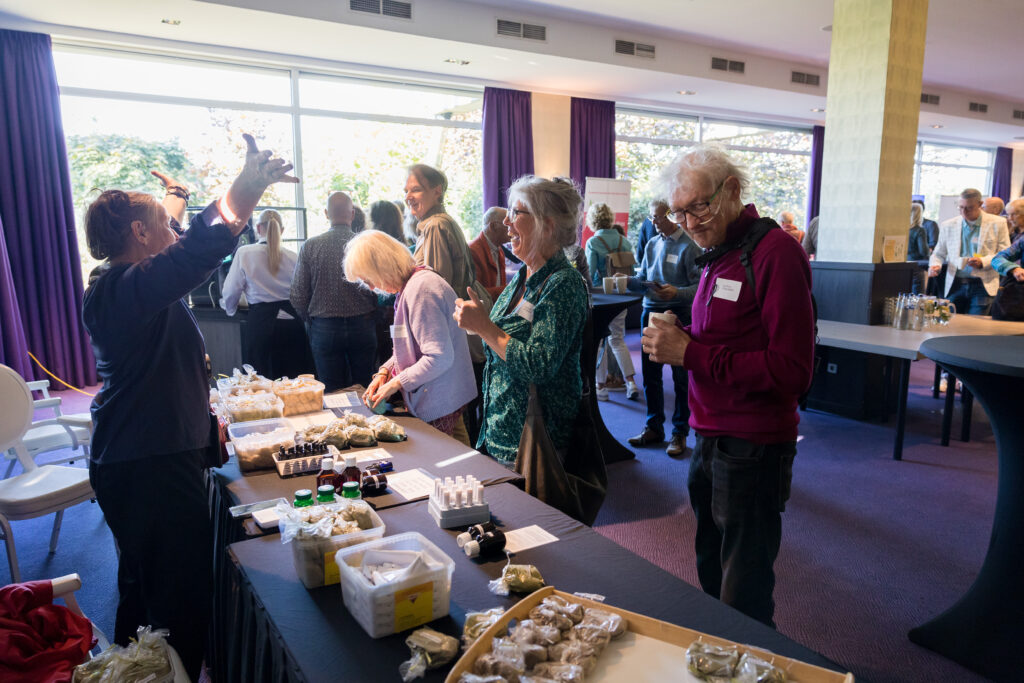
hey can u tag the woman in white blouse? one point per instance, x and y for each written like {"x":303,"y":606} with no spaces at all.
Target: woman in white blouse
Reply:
{"x":274,"y":338}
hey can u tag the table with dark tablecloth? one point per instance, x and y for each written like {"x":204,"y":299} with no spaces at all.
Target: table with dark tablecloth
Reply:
{"x":280,"y":631}
{"x":426,"y":448}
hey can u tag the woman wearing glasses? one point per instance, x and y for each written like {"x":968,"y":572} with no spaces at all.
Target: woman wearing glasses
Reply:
{"x":534,"y":331}
{"x":276,"y":343}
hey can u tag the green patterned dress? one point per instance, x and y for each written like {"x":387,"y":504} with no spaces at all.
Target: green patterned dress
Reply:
{"x":545,"y":330}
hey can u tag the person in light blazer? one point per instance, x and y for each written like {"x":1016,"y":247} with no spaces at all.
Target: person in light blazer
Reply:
{"x":967,"y":244}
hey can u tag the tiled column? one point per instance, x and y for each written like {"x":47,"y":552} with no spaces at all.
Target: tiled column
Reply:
{"x":874,"y":94}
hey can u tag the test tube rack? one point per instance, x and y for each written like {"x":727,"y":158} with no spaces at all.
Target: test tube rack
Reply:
{"x":458,"y":502}
{"x":298,"y":465}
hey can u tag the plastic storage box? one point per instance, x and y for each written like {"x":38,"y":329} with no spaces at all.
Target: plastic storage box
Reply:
{"x":256,"y":427}
{"x":314,"y":557}
{"x":301,"y":395}
{"x":395,"y":607}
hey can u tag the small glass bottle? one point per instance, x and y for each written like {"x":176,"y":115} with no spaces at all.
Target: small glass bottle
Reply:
{"x":325,"y":476}
{"x":351,"y":471}
{"x":303,"y":498}
{"x":350,"y":489}
{"x":325,"y":493}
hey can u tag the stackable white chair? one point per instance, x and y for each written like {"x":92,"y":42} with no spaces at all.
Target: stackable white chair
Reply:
{"x":65,"y":587}
{"x":55,"y":433}
{"x":41,"y":489}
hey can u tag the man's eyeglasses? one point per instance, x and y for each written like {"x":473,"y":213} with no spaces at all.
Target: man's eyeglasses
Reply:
{"x":701,"y":211}
{"x":964,"y":209}
{"x":514,"y":213}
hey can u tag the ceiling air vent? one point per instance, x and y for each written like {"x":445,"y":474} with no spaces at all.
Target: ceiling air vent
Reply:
{"x":806,"y":79}
{"x":517,"y":29}
{"x":978,"y":107}
{"x":929,"y":99}
{"x":720,"y":64}
{"x":628,"y":47}
{"x":1018,"y":114}
{"x":387,"y":8}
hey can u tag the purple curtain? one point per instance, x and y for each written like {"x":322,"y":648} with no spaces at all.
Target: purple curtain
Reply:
{"x":507,"y":141}
{"x":814,"y":181}
{"x":36,"y":209}
{"x":1001,"y":173}
{"x":13,"y":352}
{"x":591,"y":139}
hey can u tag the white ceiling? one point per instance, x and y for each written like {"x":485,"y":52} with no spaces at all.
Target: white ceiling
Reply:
{"x":963,"y":54}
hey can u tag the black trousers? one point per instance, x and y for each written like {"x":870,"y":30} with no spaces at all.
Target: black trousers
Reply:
{"x":738,"y":490}
{"x":276,"y":347}
{"x":157,"y":509}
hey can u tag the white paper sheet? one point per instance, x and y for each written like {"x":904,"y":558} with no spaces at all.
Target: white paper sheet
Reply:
{"x":528,"y":537}
{"x":345,"y":399}
{"x":368,"y":455}
{"x":411,"y":484}
{"x":299,"y":422}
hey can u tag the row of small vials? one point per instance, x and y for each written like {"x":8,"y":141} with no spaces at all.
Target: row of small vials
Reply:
{"x":452,"y":494}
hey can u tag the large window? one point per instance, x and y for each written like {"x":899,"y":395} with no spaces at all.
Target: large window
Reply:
{"x":777,"y":159}
{"x":947,"y":170}
{"x":126,"y":113}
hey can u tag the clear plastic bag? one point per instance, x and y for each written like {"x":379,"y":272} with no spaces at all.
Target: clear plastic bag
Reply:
{"x":478,"y":622}
{"x":519,"y":578}
{"x":148,"y":658}
{"x":710,"y":662}
{"x":430,"y":650}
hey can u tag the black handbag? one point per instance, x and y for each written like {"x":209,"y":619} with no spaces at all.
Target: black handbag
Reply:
{"x":577,"y":484}
{"x":1009,"y":301}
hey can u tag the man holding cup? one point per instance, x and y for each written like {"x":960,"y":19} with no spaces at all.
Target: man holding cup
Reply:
{"x":750,"y":352}
{"x":668,"y":275}
{"x":968,"y":243}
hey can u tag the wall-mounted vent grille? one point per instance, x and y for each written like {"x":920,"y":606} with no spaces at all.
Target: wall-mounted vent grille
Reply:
{"x":929,"y":99}
{"x":806,"y":79}
{"x":628,"y":47}
{"x":721,"y":64}
{"x":1018,"y":114}
{"x":387,"y":8}
{"x":978,"y":107}
{"x":517,"y":29}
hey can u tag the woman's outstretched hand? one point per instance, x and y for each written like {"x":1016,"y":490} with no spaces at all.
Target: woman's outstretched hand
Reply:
{"x":260,"y":171}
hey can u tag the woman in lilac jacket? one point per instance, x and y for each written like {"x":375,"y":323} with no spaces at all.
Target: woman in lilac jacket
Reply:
{"x":430,"y":365}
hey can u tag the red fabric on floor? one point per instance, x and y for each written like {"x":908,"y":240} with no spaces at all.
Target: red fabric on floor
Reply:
{"x":39,"y":641}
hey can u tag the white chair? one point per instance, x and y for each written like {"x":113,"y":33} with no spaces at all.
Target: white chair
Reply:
{"x":41,"y":489}
{"x":65,"y":587}
{"x":60,"y":431}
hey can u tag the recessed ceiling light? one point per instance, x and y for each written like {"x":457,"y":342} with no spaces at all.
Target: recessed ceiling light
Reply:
{"x":818,"y":109}
{"x":937,"y":125}
{"x":686,"y":92}
{"x":459,"y":62}
{"x":171,"y":22}
{"x":531,"y":63}
{"x":827,"y":28}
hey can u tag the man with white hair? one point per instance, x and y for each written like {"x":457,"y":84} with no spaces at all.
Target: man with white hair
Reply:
{"x":749,"y":351}
{"x":967,"y":244}
{"x":488,"y":258}
{"x":787,"y":221}
{"x":993,"y":205}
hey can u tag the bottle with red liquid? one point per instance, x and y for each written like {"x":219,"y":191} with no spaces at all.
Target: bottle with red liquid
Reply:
{"x":351,"y":471}
{"x":325,"y":477}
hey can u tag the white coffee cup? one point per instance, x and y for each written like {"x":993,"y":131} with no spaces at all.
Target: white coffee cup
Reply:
{"x":667,"y":316}
{"x":609,"y":285}
{"x":620,"y":284}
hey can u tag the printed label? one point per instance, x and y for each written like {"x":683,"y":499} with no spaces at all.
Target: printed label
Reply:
{"x":399,"y":332}
{"x":414,"y":606}
{"x":525,"y":311}
{"x":672,"y":258}
{"x":727,"y":289}
{"x":332,"y":574}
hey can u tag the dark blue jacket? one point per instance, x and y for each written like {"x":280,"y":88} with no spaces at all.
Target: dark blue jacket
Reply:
{"x":149,"y":351}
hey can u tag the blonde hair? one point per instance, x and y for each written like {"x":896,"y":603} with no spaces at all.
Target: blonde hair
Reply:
{"x":600,"y":217}
{"x":272,"y":219}
{"x":916,"y":218}
{"x":378,"y":260}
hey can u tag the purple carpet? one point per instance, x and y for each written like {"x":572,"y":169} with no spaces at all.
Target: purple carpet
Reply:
{"x":871,"y":547}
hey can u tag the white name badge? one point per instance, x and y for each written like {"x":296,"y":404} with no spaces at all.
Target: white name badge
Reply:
{"x":672,"y":258}
{"x":399,"y":332}
{"x":727,"y":289}
{"x":525,"y":311}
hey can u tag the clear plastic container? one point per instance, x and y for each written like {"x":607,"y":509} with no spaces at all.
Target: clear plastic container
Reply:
{"x":256,"y":427}
{"x":304,"y":394}
{"x":248,"y":407}
{"x":395,"y":607}
{"x":313,"y":558}
{"x":244,"y":384}
{"x":256,"y":451}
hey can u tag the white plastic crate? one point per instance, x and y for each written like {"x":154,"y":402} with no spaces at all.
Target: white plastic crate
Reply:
{"x":395,"y":607}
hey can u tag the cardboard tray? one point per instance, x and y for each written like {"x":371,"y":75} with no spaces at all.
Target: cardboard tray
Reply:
{"x":645,"y":635}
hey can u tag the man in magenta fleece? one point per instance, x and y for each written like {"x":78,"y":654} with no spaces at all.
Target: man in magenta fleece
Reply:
{"x":749,"y":352}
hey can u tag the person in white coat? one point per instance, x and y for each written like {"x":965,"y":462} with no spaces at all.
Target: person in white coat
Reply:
{"x":967,"y":244}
